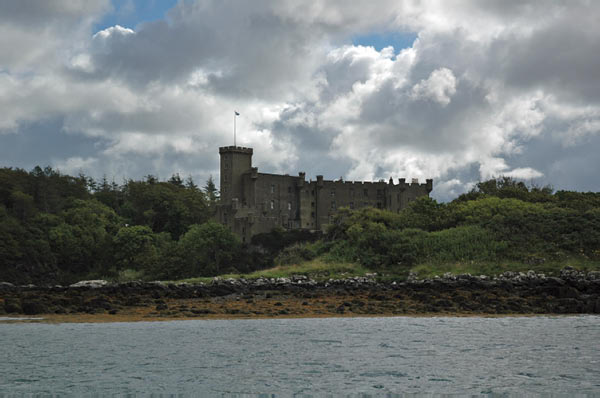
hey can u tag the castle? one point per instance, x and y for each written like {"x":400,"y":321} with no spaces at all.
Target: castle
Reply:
{"x":253,"y":202}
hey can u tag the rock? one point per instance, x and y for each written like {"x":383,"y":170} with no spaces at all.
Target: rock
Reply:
{"x":29,"y":286}
{"x":33,"y":308}
{"x":593,"y":275}
{"x":411,"y":277}
{"x":12,"y":307}
{"x":162,"y":307}
{"x":94,"y":284}
{"x":6,"y":286}
{"x":568,"y":292}
{"x":202,"y":311}
{"x":100,"y":302}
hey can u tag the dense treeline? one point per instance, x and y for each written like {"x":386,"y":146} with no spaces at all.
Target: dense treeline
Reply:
{"x":56,"y":228}
{"x":500,"y":219}
{"x":59,"y":228}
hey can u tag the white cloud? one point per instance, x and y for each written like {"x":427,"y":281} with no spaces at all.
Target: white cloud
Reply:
{"x":75,"y":165}
{"x":483,"y":84}
{"x":440,"y":86}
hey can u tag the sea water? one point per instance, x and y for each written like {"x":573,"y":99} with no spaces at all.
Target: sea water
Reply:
{"x":550,"y":356}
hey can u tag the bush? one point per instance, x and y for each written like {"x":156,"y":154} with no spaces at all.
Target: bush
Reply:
{"x":295,"y":254}
{"x":209,"y":249}
{"x":463,"y":243}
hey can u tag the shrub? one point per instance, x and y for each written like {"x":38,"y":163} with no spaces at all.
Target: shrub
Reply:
{"x":295,"y":254}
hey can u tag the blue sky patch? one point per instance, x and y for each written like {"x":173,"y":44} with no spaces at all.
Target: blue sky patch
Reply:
{"x":399,"y":40}
{"x":130,"y":13}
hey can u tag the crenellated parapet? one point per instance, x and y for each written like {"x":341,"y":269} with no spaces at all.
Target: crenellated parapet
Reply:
{"x":236,"y":149}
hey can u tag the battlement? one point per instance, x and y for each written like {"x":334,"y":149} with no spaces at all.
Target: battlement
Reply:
{"x":236,"y":149}
{"x":401,"y":181}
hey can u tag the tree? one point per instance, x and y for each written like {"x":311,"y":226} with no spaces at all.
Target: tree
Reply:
{"x":212,"y":194}
{"x":189,"y":184}
{"x":83,"y":240}
{"x":176,"y":180}
{"x":134,"y":248}
{"x":209,"y":249}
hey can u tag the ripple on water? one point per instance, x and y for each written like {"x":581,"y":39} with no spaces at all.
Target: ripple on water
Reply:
{"x":471,"y":356}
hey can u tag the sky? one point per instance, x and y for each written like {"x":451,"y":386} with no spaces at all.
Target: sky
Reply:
{"x":457,"y":91}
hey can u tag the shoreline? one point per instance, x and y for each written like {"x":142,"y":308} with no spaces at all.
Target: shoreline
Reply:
{"x":512,"y":294}
{"x":132,"y":318}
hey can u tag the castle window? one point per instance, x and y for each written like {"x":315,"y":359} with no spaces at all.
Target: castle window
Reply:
{"x":289,"y":189}
{"x":332,"y":192}
{"x":366,"y":192}
{"x":352,"y":205}
{"x":312,"y":214}
{"x":289,"y":205}
{"x":352,"y":192}
{"x":379,"y":205}
{"x":333,"y":205}
{"x":379,"y":193}
{"x":312,"y":204}
{"x":312,"y":192}
{"x":272,"y":188}
{"x":272,"y":204}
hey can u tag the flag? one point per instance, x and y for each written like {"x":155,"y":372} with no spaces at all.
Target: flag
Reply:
{"x":236,"y":113}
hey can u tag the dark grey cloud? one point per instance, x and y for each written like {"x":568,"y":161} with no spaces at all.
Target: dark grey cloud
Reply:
{"x":42,"y":142}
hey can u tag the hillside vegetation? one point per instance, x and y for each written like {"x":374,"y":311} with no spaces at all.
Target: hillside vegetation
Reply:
{"x":56,"y":228}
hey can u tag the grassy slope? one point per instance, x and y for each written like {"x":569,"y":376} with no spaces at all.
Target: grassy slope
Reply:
{"x":316,"y":269}
{"x":320,"y":270}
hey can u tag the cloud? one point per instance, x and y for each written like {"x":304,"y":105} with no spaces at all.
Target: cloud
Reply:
{"x":439,"y":87}
{"x":75,"y":165}
{"x":484,"y":90}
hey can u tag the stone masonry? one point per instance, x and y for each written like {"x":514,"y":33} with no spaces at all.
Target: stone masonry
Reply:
{"x":253,"y":202}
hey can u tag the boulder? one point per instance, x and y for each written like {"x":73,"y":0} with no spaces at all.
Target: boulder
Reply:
{"x":33,"y":308}
{"x":96,"y":283}
{"x":12,"y":307}
{"x":6,"y":286}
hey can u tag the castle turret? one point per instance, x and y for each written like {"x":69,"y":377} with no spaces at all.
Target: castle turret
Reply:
{"x":235,"y":161}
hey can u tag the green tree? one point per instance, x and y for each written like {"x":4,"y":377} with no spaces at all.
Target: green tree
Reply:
{"x":83,"y":241}
{"x":134,"y":248}
{"x":212,"y":194}
{"x":176,"y":180}
{"x":209,"y":249}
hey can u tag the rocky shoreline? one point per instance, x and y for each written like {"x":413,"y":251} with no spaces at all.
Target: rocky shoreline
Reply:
{"x":573,"y":292}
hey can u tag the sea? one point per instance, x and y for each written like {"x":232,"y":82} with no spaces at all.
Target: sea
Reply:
{"x":353,"y":357}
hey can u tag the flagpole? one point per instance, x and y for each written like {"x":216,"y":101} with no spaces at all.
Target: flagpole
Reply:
{"x":234,"y":141}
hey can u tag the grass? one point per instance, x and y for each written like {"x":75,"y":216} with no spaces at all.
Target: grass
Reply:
{"x":489,"y":268}
{"x":320,"y":270}
{"x":315,"y":269}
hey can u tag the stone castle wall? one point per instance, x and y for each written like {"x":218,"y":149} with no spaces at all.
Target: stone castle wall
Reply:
{"x":253,"y":202}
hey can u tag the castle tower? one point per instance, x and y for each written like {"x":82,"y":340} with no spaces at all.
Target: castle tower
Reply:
{"x":235,"y":161}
